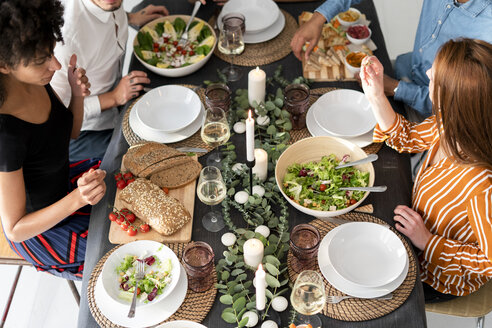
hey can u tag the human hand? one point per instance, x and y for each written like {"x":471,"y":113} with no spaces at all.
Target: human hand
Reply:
{"x":79,"y":83}
{"x":371,"y":75}
{"x":91,"y":186}
{"x":410,"y":223}
{"x":309,"y":32}
{"x":146,"y":15}
{"x":129,"y":87}
{"x":218,"y":2}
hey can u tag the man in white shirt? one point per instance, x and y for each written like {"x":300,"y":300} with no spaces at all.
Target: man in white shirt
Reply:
{"x":97,"y":31}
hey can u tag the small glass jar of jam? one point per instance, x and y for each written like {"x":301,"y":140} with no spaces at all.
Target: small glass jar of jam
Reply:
{"x":296,"y":102}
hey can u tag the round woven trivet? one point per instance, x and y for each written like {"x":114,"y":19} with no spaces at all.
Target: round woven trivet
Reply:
{"x":195,"y":306}
{"x":296,"y":135}
{"x":256,"y":54}
{"x":194,"y":141}
{"x":357,"y":309}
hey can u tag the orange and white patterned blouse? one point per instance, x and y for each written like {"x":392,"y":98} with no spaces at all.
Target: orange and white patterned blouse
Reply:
{"x":455,"y":202}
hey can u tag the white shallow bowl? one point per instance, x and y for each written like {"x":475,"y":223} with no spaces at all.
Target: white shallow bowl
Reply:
{"x":346,"y":286}
{"x":181,"y":324}
{"x":344,"y":113}
{"x":180,"y":71}
{"x":259,"y":14}
{"x":347,"y":23}
{"x":367,"y":254}
{"x":168,"y":108}
{"x":139,"y":248}
{"x":312,"y":149}
{"x":359,"y":41}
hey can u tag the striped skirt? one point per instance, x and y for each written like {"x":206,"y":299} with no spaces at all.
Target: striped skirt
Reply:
{"x":61,"y":249}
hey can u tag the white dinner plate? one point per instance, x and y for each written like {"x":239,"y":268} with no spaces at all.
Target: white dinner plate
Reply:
{"x":367,"y":254}
{"x":146,"y":316}
{"x":266,"y":35}
{"x":345,"y":286}
{"x":164,"y":137}
{"x":259,"y":14}
{"x":181,"y":324}
{"x":139,"y":248}
{"x":317,"y":131}
{"x":344,"y":113}
{"x":168,"y":108}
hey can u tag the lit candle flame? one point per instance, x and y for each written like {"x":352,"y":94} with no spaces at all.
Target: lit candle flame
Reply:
{"x":257,"y":69}
{"x":250,"y":115}
{"x":260,"y":267}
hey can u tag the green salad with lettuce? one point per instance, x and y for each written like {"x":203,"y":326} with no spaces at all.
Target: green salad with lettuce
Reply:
{"x":157,"y":277}
{"x":158,"y":45}
{"x":315,"y":185}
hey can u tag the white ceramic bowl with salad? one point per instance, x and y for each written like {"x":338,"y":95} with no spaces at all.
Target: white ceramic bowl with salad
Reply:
{"x":162,"y":273}
{"x":156,"y":45}
{"x":311,"y":184}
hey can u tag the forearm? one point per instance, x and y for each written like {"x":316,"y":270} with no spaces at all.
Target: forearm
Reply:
{"x":77,"y":108}
{"x":32,"y":224}
{"x":383,"y":112}
{"x":107,"y":100}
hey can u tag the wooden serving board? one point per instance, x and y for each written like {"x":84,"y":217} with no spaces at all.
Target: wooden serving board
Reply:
{"x":185,"y":194}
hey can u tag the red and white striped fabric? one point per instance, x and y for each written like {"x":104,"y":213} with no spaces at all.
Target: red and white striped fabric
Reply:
{"x":455,"y":202}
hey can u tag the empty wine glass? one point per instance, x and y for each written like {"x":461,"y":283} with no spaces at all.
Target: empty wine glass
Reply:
{"x":215,"y":132}
{"x":231,"y":42}
{"x":211,"y":191}
{"x":308,"y":297}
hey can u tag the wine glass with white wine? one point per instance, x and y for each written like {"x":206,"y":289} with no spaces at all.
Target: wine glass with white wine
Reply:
{"x":308,"y":298}
{"x":215,"y":132}
{"x":231,"y":42}
{"x":211,"y":190}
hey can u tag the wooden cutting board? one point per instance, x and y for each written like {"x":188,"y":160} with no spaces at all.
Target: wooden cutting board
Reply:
{"x":185,"y":194}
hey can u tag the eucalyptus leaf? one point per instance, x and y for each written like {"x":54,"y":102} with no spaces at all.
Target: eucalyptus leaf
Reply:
{"x":288,"y":126}
{"x":251,"y":199}
{"x":248,"y":284}
{"x":251,"y":305}
{"x":231,"y":192}
{"x":279,"y":102}
{"x":270,"y":249}
{"x":268,"y":293}
{"x":277,"y":111}
{"x":272,"y":269}
{"x":243,"y":322}
{"x":241,"y":277}
{"x":249,"y":234}
{"x":271,"y":130}
{"x":228,"y":317}
{"x":239,"y":304}
{"x":239,"y":265}
{"x":237,"y":272}
{"x":240,"y":231}
{"x":226,"y":299}
{"x":224,"y":275}
{"x":272,"y":260}
{"x":272,"y":281}
{"x":269,"y":105}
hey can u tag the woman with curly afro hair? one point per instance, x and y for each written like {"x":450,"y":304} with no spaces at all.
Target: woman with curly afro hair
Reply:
{"x":44,"y":200}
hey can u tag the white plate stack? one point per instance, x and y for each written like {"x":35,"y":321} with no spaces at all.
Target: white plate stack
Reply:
{"x":342,"y":113}
{"x":363,"y":259}
{"x":264,"y":20}
{"x":167,"y":114}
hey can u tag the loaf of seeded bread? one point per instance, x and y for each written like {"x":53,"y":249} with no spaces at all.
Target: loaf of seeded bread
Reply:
{"x":163,"y":213}
{"x":177,"y":175}
{"x":144,"y":158}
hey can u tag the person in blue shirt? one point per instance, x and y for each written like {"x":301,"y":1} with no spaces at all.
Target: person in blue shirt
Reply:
{"x":440,"y":21}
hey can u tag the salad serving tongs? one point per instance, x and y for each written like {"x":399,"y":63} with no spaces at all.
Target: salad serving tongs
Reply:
{"x":372,"y":189}
{"x":184,"y":37}
{"x":368,"y":159}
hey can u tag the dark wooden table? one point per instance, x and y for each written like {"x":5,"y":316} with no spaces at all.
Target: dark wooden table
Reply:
{"x":392,"y":169}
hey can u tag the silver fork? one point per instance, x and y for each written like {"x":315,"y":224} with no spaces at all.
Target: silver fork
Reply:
{"x":334,"y":299}
{"x":138,"y":276}
{"x":184,"y":37}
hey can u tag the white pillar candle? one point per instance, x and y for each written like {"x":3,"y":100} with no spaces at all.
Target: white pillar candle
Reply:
{"x":256,"y":86}
{"x":260,"y":276}
{"x":253,"y":252}
{"x":250,"y":138}
{"x":261,"y":165}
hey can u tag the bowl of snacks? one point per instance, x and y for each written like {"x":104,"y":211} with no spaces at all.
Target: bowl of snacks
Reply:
{"x":358,"y":34}
{"x":162,"y":269}
{"x":353,"y":61}
{"x":157,"y":47}
{"x":349,"y":17}
{"x":306,"y":176}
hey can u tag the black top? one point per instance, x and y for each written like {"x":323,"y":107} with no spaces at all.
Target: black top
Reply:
{"x":41,"y":150}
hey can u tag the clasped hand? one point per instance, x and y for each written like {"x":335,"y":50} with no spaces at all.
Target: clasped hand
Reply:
{"x":91,"y":186}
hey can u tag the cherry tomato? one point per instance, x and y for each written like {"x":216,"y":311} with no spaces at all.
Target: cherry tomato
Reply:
{"x":352,"y":201}
{"x":121,"y":184}
{"x":129,"y":181}
{"x":144,"y":228}
{"x":162,"y":48}
{"x":138,"y":291}
{"x":192,"y":52}
{"x":132,"y":231}
{"x":124,"y":210}
{"x":130,"y":217}
{"x":166,"y":40}
{"x":166,"y":190}
{"x":117,"y":176}
{"x":113,"y":216}
{"x":128,"y":175}
{"x":322,"y":187}
{"x":120,"y":219}
{"x":156,"y":45}
{"x":175,"y":43}
{"x":183,"y":52}
{"x":125,"y":225}
{"x":179,"y":48}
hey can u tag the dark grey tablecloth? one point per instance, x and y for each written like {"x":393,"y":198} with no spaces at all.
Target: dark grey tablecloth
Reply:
{"x":392,"y":169}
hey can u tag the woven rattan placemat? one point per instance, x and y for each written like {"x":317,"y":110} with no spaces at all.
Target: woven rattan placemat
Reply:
{"x":357,"y":309}
{"x":195,"y":307}
{"x":194,"y":141}
{"x":296,"y":135}
{"x":256,"y":54}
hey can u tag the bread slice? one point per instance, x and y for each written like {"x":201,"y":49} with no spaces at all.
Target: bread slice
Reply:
{"x":164,"y":165}
{"x":163,"y":213}
{"x":139,"y":158}
{"x":178,"y":175}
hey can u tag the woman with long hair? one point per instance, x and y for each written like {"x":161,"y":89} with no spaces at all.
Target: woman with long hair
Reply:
{"x":451,"y":216}
{"x":42,"y":210}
